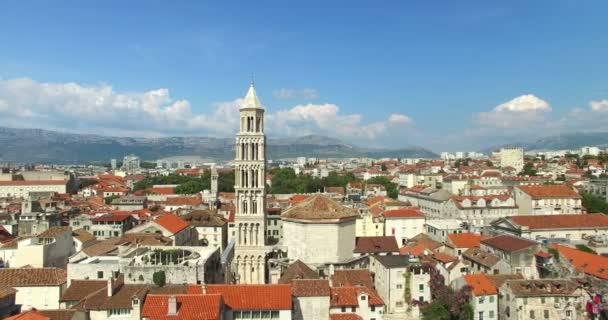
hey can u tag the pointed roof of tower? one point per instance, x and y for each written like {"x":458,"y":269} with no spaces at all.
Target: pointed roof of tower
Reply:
{"x":251,"y":99}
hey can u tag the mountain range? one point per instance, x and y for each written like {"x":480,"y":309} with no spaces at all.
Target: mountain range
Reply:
{"x":45,"y":146}
{"x":566,"y":141}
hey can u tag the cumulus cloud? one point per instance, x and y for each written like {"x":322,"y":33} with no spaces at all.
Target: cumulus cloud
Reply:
{"x":399,"y":118}
{"x":516,"y":113}
{"x":101,"y":109}
{"x":599,"y":106}
{"x":286,"y":93}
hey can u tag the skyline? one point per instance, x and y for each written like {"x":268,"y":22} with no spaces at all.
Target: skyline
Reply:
{"x":449,"y":77}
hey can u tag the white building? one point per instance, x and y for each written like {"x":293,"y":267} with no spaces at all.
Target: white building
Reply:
{"x":574,"y":227}
{"x":541,"y":299}
{"x":311,"y":298}
{"x":590,"y":151}
{"x":21,"y":189}
{"x":390,"y":274}
{"x":484,"y":296}
{"x":39,"y":288}
{"x":512,"y":157}
{"x":547,"y":199}
{"x":320,"y":231}
{"x":403,"y":224}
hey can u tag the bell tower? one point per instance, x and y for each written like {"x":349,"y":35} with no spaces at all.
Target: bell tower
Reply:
{"x":249,"y":264}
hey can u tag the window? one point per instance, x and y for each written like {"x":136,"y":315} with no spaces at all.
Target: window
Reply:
{"x":99,"y":274}
{"x":421,"y":299}
{"x":421,"y":287}
{"x":274,"y":314}
{"x":343,"y":309}
{"x":373,"y":308}
{"x":542,"y":299}
{"x":491,"y":316}
{"x":119,"y":313}
{"x":480,"y":315}
{"x":353,"y":309}
{"x":363,"y":298}
{"x":525,"y":301}
{"x":531,"y":314}
{"x":546,"y":314}
{"x":491,"y":299}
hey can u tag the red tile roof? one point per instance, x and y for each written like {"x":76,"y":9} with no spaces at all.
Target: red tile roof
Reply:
{"x":404,"y":213}
{"x":549,"y":191}
{"x":171,"y":223}
{"x":444,"y":258}
{"x":566,"y":221}
{"x":481,"y":285}
{"x":352,"y":277}
{"x":348,"y":296}
{"x":112,"y":217}
{"x":464,"y":240}
{"x":254,"y":297}
{"x":588,"y":263}
{"x":29,"y":315}
{"x":376,"y":244}
{"x":509,"y":243}
{"x":189,"y":306}
{"x":183,"y":201}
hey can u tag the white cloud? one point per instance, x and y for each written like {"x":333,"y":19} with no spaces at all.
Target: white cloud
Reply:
{"x":599,"y":106}
{"x":286,"y":93}
{"x":399,"y":118}
{"x":100,"y":109}
{"x":516,"y":113}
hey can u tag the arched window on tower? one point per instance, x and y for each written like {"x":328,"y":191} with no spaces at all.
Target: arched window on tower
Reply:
{"x":244,"y":206}
{"x":254,"y":207}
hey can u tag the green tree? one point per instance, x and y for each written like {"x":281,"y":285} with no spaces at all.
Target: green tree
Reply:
{"x":584,"y":248}
{"x":383,"y":167}
{"x":594,"y":204}
{"x":391,"y":188}
{"x":159,"y":278}
{"x":109,"y":199}
{"x":147,"y":165}
{"x":528,"y":169}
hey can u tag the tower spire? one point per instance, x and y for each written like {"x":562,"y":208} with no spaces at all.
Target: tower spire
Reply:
{"x":251,"y":99}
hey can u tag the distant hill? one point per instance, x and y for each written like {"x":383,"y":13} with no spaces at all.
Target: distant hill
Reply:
{"x":575,"y":140}
{"x":45,"y":146}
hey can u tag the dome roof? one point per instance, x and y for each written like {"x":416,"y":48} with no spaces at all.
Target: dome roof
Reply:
{"x":319,"y":207}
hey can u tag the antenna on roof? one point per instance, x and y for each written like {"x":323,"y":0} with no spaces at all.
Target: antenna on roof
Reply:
{"x":252,"y":80}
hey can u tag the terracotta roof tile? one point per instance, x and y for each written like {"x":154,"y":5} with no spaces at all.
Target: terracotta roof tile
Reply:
{"x":183,"y":201}
{"x":481,"y":285}
{"x":6,"y":291}
{"x":464,"y":240}
{"x":509,"y":243}
{"x":352,"y":277}
{"x":29,"y":315}
{"x":558,"y":221}
{"x":254,"y":297}
{"x":310,"y":288}
{"x":380,"y":244}
{"x":588,"y":263}
{"x":319,"y":207}
{"x":412,"y":212}
{"x":54,"y":232}
{"x":80,"y":289}
{"x":189,"y":306}
{"x":171,"y":223}
{"x":549,"y":191}
{"x":348,"y":296}
{"x":24,"y":277}
{"x":297,"y":270}
{"x":63,"y":314}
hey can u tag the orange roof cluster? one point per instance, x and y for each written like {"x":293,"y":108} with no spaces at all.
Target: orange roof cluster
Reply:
{"x":183,"y":201}
{"x":254,"y":297}
{"x":411,"y":212}
{"x":348,"y":296}
{"x":549,"y":191}
{"x":189,"y":306}
{"x":593,"y":220}
{"x":171,"y":223}
{"x":344,"y":316}
{"x":465,"y":240}
{"x":29,"y":315}
{"x":481,"y":284}
{"x":588,"y":263}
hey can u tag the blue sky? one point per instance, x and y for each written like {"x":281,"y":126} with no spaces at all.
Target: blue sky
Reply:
{"x":429,"y":73}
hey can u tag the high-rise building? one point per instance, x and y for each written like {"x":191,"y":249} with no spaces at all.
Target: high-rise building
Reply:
{"x":130,"y":163}
{"x":249,"y":263}
{"x":113,"y":164}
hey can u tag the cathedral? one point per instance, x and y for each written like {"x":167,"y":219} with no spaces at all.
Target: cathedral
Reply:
{"x":249,"y":262}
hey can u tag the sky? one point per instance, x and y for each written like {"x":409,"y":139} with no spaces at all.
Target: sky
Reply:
{"x":445,"y":75}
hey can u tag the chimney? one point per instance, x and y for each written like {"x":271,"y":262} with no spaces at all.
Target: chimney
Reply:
{"x":172,"y":306}
{"x":110,"y":286}
{"x":331,"y":270}
{"x":205,"y":289}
